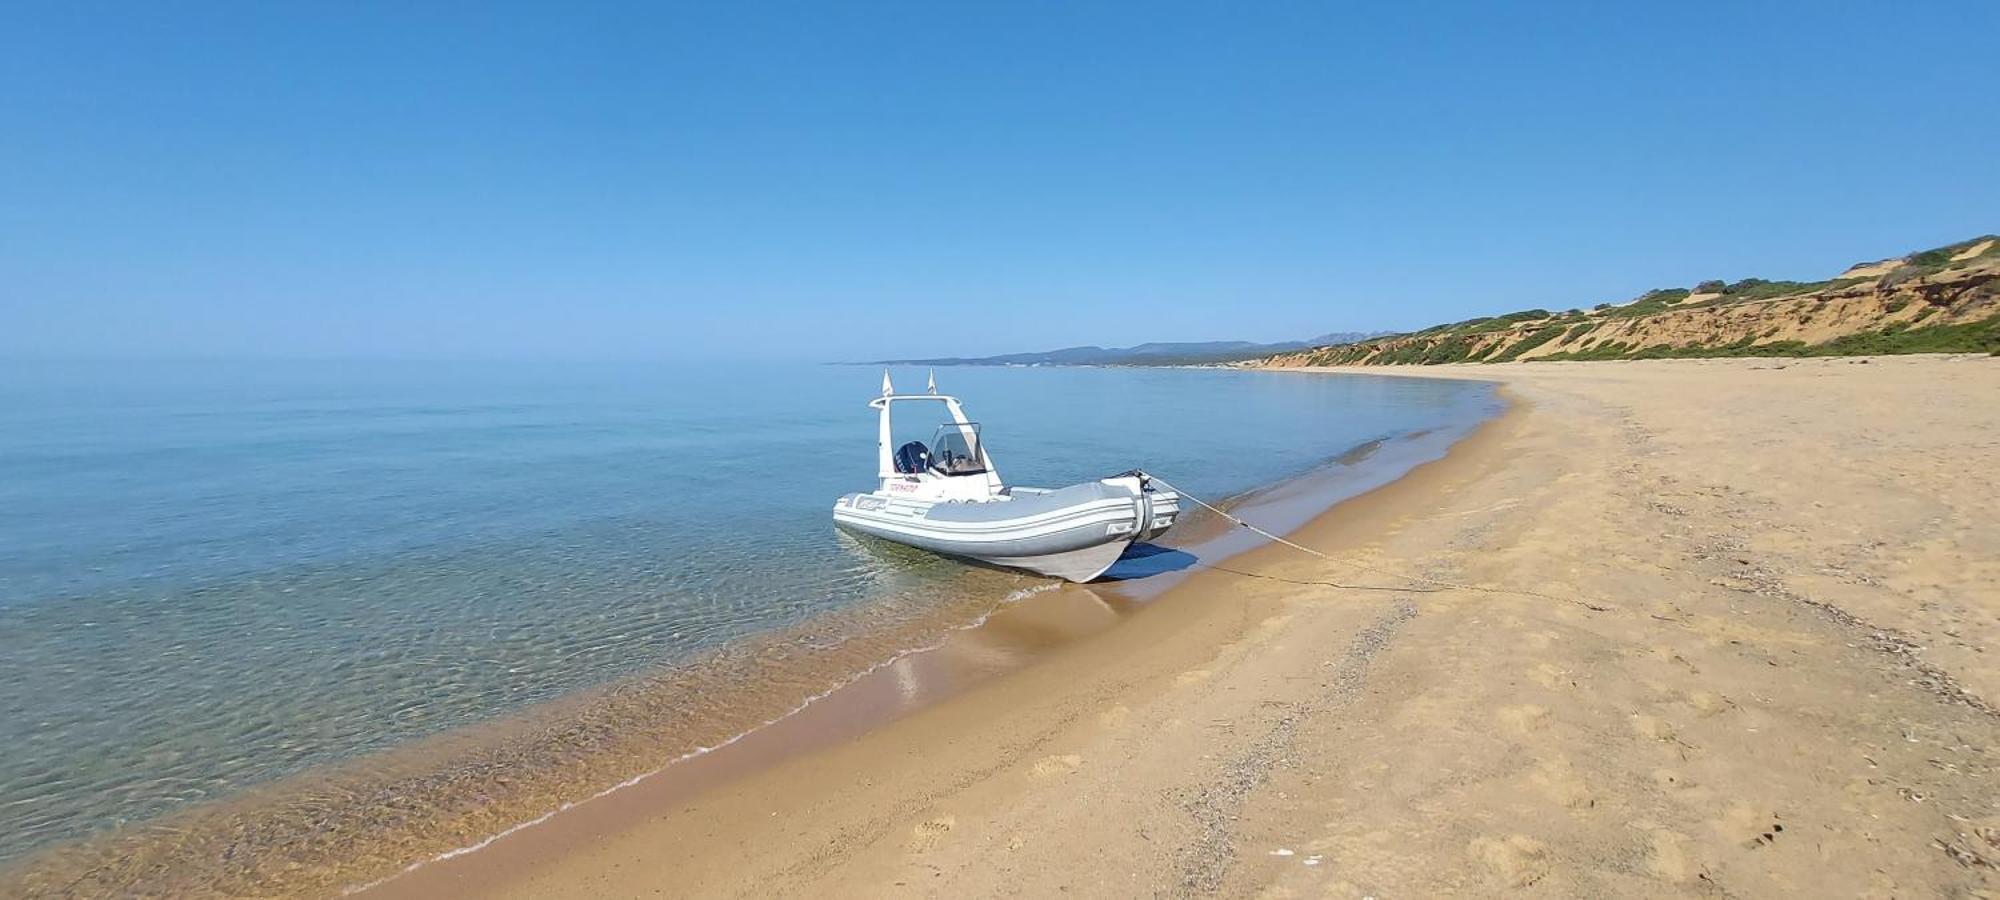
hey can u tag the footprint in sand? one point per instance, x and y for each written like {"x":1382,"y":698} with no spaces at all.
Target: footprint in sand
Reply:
{"x":1550,"y":675}
{"x":1524,"y":718}
{"x":1114,"y":717}
{"x":1050,"y":766}
{"x":930,"y":834}
{"x":1670,"y":857}
{"x":1652,"y":727}
{"x":1670,"y":655}
{"x":1516,"y":860}
{"x":1558,"y":780}
{"x":1708,"y":704}
{"x":1772,"y":830}
{"x":1750,"y":827}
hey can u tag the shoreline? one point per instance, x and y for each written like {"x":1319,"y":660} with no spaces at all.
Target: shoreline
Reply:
{"x":1668,"y":628}
{"x":1780,"y":693}
{"x":1031,"y":623}
{"x":785,"y":749}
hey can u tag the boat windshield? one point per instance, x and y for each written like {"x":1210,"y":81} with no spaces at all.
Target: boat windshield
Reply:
{"x":955,"y":450}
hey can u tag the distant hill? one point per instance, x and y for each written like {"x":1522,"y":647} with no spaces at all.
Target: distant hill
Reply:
{"x":1151,"y":354}
{"x":1943,"y":300}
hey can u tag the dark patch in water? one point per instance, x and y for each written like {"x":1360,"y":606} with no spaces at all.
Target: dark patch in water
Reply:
{"x":1360,"y":452}
{"x":1144,"y":560}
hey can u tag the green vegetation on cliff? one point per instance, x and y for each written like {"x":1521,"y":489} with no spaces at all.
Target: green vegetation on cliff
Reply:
{"x":1942,"y":300}
{"x":1982,"y":336}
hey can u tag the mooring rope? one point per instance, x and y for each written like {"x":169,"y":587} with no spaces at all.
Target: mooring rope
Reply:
{"x":1420,"y":579}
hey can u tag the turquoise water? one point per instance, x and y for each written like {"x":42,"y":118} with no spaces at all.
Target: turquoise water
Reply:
{"x":216,"y":575}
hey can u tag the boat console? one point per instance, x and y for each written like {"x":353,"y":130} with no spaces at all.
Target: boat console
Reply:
{"x":954,"y":466}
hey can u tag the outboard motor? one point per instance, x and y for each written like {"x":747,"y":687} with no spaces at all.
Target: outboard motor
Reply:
{"x":912,"y":458}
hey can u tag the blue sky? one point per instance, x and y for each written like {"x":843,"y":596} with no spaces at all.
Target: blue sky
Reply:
{"x":829,"y":181}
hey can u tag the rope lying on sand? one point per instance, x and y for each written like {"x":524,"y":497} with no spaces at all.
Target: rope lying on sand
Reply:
{"x":1437,"y":583}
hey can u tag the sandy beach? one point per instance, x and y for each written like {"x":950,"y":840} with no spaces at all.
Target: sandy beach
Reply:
{"x":972,"y":450}
{"x":1683,"y":627}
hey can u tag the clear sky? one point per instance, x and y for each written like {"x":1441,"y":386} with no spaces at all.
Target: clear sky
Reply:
{"x":849,"y":180}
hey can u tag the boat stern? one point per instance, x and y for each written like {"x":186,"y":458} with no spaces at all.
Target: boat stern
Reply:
{"x":1154,"y":510}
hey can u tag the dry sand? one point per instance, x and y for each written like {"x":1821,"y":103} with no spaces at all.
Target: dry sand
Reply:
{"x":1743,"y":649}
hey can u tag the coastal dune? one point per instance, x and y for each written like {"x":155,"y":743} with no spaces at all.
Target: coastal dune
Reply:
{"x":1671,"y":627}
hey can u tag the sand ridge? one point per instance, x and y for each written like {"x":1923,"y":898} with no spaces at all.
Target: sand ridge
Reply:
{"x":1785,"y":690}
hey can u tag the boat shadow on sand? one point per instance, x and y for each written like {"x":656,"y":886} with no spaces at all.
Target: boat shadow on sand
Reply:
{"x":1143,"y":560}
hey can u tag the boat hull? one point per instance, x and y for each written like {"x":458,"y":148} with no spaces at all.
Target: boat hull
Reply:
{"x":1075,"y":533}
{"x":1074,"y":565}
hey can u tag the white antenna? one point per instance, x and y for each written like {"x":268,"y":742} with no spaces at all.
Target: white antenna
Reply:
{"x":933,"y":381}
{"x":887,"y":388}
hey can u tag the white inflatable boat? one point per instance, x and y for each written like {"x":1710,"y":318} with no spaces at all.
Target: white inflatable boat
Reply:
{"x":946,"y":497}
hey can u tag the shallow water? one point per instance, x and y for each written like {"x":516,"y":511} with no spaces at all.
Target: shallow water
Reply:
{"x":215,"y":576}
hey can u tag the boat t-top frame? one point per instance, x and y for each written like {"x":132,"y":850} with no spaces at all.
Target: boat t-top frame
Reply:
{"x":895,"y":480}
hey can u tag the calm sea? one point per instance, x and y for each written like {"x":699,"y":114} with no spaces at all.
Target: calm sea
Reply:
{"x":213,"y":576}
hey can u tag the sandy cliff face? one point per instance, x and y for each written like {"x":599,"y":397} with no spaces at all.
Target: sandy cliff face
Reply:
{"x":1940,"y":300}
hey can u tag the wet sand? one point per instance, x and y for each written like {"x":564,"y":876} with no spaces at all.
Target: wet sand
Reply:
{"x":1689,"y":627}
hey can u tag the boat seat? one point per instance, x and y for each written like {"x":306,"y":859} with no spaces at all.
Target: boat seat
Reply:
{"x":912,"y":458}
